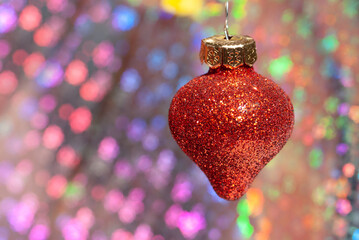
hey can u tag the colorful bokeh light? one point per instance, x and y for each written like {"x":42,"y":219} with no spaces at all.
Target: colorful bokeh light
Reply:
{"x":30,"y":18}
{"x":8,"y":18}
{"x":86,"y":153}
{"x":8,"y":82}
{"x":124,"y":18}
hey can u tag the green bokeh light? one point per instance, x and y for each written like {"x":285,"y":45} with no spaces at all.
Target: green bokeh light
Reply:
{"x":350,"y":8}
{"x":342,"y":121}
{"x":330,"y":43}
{"x":245,"y":227}
{"x":304,"y":27}
{"x":239,"y":8}
{"x":243,"y":208}
{"x":74,"y":190}
{"x":299,"y":94}
{"x":287,"y":16}
{"x":243,"y":222}
{"x":331,"y":104}
{"x":280,"y":66}
{"x":315,"y":158}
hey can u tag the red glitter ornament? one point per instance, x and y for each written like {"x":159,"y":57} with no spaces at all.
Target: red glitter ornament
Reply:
{"x":231,"y":121}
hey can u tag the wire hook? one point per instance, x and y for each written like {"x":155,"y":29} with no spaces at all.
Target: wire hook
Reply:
{"x":226,"y":22}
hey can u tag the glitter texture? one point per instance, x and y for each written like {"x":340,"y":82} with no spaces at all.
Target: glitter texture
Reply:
{"x":61,"y":179}
{"x":231,"y":123}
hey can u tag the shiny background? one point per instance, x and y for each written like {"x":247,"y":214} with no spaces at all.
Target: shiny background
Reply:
{"x":85,"y":148}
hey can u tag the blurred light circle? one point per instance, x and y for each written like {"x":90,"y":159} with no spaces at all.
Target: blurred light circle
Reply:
{"x":4,"y":48}
{"x":124,"y":18}
{"x":130,"y":80}
{"x":90,"y":90}
{"x":98,"y":192}
{"x":32,"y":139}
{"x":156,"y":59}
{"x":80,"y":120}
{"x":74,"y":230}
{"x":343,"y":207}
{"x":45,"y":36}
{"x":32,"y":63}
{"x":76,"y":72}
{"x":47,"y":103}
{"x":108,"y":149}
{"x":39,"y":232}
{"x":8,"y":82}
{"x":86,"y":217}
{"x":56,"y":186}
{"x":8,"y":18}
{"x":121,"y":234}
{"x":53,"y":137}
{"x":50,"y":75}
{"x":100,"y":12}
{"x":103,"y":54}
{"x":39,"y":120}
{"x":65,"y":111}
{"x":56,"y":5}
{"x":355,"y":234}
{"x":113,"y":201}
{"x":30,"y":18}
{"x":349,"y":170}
{"x":19,"y":57}
{"x":67,"y":157}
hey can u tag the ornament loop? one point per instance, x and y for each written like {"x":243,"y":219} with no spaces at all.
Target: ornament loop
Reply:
{"x":226,"y":22}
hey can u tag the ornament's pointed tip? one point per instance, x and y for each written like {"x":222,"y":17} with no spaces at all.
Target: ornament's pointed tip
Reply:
{"x":230,"y":188}
{"x":232,"y":195}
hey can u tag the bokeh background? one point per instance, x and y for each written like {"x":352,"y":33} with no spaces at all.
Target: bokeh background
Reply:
{"x":86,"y":153}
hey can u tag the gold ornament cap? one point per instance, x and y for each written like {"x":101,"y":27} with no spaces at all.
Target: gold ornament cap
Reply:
{"x":239,"y":50}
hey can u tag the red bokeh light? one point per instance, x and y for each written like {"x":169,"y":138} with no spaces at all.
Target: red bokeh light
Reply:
{"x":98,"y":192}
{"x":53,"y":137}
{"x":56,"y":5}
{"x":56,"y":186}
{"x":8,"y":82}
{"x":103,"y":54}
{"x":32,"y":63}
{"x":30,"y":18}
{"x":90,"y":90}
{"x":19,"y":57}
{"x":32,"y":139}
{"x":44,"y":36}
{"x":76,"y":72}
{"x":67,"y":157}
{"x":349,"y":170}
{"x":80,"y":120}
{"x":65,"y":111}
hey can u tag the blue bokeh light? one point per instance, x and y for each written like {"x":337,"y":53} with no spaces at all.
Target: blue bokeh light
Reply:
{"x":156,"y":59}
{"x":124,"y":18}
{"x":50,"y":75}
{"x":356,"y":235}
{"x":170,"y":71}
{"x":130,"y":80}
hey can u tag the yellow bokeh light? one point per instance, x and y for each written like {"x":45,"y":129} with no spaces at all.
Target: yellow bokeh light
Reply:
{"x":255,"y":201}
{"x":183,"y":7}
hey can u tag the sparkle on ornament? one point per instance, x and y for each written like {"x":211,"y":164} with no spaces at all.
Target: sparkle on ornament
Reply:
{"x":231,"y":123}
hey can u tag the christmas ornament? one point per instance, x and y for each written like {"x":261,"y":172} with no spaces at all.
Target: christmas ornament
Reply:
{"x":231,"y":121}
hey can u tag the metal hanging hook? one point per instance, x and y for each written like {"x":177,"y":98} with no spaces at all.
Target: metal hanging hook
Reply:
{"x":226,"y":22}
